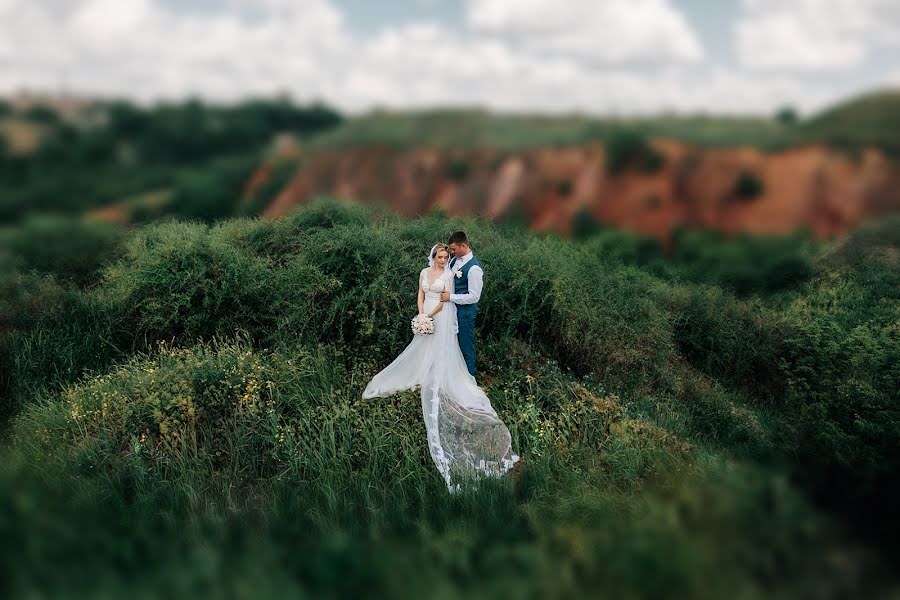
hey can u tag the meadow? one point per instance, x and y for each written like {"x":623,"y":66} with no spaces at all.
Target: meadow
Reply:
{"x":182,"y":414}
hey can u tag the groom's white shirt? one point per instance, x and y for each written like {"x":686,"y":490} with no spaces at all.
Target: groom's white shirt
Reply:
{"x":476,"y":281}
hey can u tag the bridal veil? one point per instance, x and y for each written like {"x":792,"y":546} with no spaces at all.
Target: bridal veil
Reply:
{"x":466,"y":438}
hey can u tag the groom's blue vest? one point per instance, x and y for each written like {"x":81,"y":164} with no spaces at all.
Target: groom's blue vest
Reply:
{"x":461,"y":284}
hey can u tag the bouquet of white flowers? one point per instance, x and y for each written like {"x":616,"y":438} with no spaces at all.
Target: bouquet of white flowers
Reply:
{"x":422,"y":325}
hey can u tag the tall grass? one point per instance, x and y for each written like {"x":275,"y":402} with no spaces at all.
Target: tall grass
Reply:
{"x":198,"y":412}
{"x":212,"y":466}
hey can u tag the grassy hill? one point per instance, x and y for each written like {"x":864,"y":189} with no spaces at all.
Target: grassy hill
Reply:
{"x":479,"y":128}
{"x":187,"y":416}
{"x":872,"y":119}
{"x":869,"y":120}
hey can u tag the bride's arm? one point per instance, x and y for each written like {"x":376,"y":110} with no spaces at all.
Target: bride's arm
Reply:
{"x":421,"y":300}
{"x":437,"y":309}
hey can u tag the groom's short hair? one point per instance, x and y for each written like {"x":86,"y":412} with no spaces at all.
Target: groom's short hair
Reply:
{"x":459,"y":237}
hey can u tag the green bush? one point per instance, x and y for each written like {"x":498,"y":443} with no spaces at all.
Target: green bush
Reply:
{"x":628,"y":149}
{"x":733,"y":342}
{"x":65,"y":247}
{"x":585,"y":225}
{"x":787,"y":115}
{"x":42,"y":114}
{"x":743,"y":264}
{"x":748,"y":186}
{"x":843,"y":419}
{"x":212,"y":192}
{"x":458,"y":169}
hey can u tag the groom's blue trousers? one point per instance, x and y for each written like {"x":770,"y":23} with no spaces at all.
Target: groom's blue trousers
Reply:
{"x":465,"y":318}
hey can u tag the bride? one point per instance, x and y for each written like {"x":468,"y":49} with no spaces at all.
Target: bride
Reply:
{"x":465,"y":435}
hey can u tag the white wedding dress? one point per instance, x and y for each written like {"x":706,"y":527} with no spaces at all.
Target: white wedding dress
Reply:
{"x":465,"y":436}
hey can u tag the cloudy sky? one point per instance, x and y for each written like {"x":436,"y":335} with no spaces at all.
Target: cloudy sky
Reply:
{"x":595,"y":56}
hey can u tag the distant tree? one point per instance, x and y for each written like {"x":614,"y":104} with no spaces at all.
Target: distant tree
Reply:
{"x":515,"y":216}
{"x":787,"y":115}
{"x":629,"y":149}
{"x":125,"y":119}
{"x":787,"y":271}
{"x":748,"y":185}
{"x":41,"y":114}
{"x":212,"y":192}
{"x":585,"y":225}
{"x":458,"y":169}
{"x":651,"y":161}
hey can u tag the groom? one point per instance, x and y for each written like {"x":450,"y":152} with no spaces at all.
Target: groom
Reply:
{"x":468,"y":282}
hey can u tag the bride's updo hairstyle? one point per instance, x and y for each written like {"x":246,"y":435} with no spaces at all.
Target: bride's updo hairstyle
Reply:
{"x":438,"y":247}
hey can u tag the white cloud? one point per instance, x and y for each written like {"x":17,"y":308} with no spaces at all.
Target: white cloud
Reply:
{"x":608,"y":31}
{"x":814,"y":34}
{"x":145,"y":49}
{"x":110,"y":21}
{"x":425,"y":64}
{"x":149,"y":50}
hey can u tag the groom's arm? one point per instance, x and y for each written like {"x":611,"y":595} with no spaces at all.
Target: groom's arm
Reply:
{"x":476,"y":284}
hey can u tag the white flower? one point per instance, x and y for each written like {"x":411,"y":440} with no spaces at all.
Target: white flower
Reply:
{"x":458,"y":273}
{"x":422,"y":325}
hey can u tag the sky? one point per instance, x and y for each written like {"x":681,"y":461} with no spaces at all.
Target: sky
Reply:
{"x":618,"y":57}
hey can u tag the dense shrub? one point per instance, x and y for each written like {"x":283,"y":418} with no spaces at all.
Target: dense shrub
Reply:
{"x":45,"y":115}
{"x":787,"y":115}
{"x":458,"y":169}
{"x":748,"y":186}
{"x":585,"y":225}
{"x":628,"y":149}
{"x":838,"y":357}
{"x":736,"y":343}
{"x":212,"y":192}
{"x":744,"y":264}
{"x":65,"y":247}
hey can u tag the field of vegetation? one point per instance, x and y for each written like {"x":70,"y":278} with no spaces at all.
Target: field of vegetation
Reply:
{"x":182,"y":415}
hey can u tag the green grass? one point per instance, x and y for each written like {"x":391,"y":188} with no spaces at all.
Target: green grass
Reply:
{"x":872,"y":119}
{"x":215,"y":466}
{"x":479,"y":128}
{"x":192,"y":422}
{"x":869,"y":120}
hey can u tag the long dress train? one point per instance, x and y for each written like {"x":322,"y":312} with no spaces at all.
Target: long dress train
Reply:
{"x":465,"y":436}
